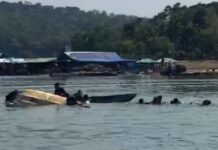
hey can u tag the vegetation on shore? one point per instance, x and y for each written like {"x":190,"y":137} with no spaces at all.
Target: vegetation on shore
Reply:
{"x":33,"y":30}
{"x":178,"y":31}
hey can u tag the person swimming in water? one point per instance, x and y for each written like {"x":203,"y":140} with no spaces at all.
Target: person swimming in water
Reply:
{"x":175,"y":101}
{"x":76,"y":99}
{"x":206,"y":103}
{"x":156,"y":101}
{"x":141,"y":101}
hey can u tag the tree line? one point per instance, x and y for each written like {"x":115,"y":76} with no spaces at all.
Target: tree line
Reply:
{"x":33,"y":30}
{"x":179,"y":32}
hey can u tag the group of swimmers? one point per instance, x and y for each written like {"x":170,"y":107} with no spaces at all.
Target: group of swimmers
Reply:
{"x":157,"y":100}
{"x":79,"y":99}
{"x":76,"y":99}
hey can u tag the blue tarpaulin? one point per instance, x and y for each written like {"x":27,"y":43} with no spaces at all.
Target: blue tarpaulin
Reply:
{"x":95,"y":56}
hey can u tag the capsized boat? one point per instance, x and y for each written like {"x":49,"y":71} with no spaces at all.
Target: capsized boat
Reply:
{"x":30,"y":97}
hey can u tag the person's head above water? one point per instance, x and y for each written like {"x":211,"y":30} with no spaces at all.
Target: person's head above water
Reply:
{"x":175,"y":101}
{"x":141,"y":101}
{"x":157,"y":100}
{"x":206,"y":103}
{"x":159,"y":97}
{"x":85,"y":97}
{"x":57,"y":85}
{"x":79,"y":93}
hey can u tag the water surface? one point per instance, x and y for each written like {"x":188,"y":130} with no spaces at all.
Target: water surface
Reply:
{"x":126,"y":126}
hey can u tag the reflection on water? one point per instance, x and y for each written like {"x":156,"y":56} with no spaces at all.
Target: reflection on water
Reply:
{"x":124,"y":126}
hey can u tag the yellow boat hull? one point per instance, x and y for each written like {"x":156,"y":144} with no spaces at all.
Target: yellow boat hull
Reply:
{"x":30,"y":97}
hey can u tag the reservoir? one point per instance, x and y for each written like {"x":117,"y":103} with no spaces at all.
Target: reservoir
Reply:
{"x":115,"y":126}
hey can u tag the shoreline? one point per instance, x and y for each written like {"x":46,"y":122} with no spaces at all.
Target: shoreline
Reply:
{"x":200,"y":66}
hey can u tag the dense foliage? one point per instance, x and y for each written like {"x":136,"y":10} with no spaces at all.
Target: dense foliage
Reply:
{"x":178,"y":31}
{"x":34,"y":30}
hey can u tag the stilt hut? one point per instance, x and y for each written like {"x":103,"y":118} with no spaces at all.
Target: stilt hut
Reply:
{"x":75,"y":61}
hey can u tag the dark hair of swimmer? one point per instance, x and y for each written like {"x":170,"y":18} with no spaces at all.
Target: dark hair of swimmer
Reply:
{"x":206,"y":103}
{"x":175,"y":101}
{"x":57,"y":85}
{"x":157,"y":100}
{"x":141,"y":101}
{"x":85,"y":97}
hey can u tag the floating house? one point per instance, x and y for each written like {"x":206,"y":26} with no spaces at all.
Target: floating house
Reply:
{"x":66,"y":62}
{"x":8,"y":66}
{"x":76,"y":60}
{"x":30,"y":66}
{"x":37,"y":66}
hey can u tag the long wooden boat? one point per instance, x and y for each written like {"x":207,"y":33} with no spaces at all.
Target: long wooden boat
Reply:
{"x":30,"y":97}
{"x":112,"y":98}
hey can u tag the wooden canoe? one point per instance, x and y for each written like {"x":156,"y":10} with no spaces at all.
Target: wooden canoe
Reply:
{"x":112,"y":98}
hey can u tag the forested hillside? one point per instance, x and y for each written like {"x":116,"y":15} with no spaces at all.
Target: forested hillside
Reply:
{"x":178,"y":31}
{"x":35,"y":30}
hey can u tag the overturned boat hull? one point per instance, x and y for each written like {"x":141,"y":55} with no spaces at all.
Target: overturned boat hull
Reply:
{"x":31,"y":97}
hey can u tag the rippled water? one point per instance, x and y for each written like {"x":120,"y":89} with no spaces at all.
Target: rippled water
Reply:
{"x":126,"y":126}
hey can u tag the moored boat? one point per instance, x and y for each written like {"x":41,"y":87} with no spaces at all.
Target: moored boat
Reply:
{"x":113,"y":98}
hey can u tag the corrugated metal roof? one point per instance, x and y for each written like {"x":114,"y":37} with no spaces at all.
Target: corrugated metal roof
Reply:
{"x":27,"y":60}
{"x":94,"y":56}
{"x":11,"y":60}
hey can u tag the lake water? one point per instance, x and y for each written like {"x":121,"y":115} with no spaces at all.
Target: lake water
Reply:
{"x":124,"y":126}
